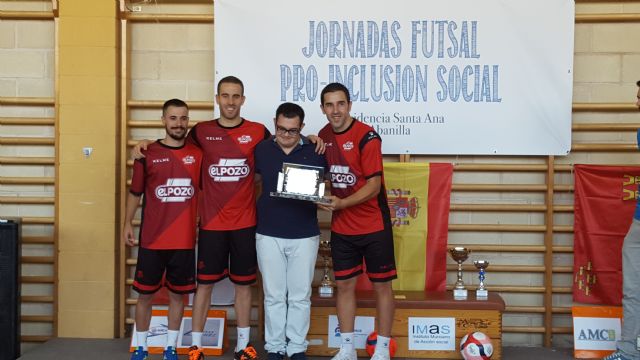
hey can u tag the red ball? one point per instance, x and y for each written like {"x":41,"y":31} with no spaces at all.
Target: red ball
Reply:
{"x":476,"y":346}
{"x":372,"y":340}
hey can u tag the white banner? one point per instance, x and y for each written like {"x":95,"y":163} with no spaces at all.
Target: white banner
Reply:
{"x":432,"y":77}
{"x":212,"y":338}
{"x":596,"y":333}
{"x":363,"y":326}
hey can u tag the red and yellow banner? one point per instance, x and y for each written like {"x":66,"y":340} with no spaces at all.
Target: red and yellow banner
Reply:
{"x":605,"y":199}
{"x":419,"y":200}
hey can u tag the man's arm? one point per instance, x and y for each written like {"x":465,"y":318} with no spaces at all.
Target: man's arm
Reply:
{"x":130,"y":210}
{"x":314,"y":139}
{"x":371,"y":157}
{"x":137,"y":151}
{"x":370,"y":190}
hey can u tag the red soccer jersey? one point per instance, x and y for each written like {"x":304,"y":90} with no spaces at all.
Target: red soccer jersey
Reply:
{"x":229,"y":200}
{"x":354,"y":156}
{"x":169,"y":178}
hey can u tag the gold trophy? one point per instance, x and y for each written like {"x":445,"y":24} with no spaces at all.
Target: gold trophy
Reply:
{"x":459,"y":254}
{"x":326,"y":285}
{"x":481,"y":292}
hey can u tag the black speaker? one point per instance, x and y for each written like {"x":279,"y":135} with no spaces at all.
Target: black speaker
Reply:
{"x":9,"y":289}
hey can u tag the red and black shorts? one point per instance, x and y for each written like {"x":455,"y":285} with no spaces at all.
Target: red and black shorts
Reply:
{"x":218,"y":249}
{"x":376,"y":248}
{"x":179,"y":265}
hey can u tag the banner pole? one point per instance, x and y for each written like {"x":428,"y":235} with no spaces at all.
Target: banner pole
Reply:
{"x":548,"y":254}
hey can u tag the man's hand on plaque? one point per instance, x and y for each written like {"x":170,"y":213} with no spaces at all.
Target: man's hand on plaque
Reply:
{"x":336,"y":204}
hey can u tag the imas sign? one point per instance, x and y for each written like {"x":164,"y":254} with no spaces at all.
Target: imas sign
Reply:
{"x":432,"y":329}
{"x":432,"y":333}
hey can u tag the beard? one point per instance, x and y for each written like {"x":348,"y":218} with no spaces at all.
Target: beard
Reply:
{"x":177,"y":136}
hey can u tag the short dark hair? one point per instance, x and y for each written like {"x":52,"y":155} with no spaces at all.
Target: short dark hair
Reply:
{"x":174,"y":103}
{"x":231,"y":80}
{"x":290,"y":111}
{"x":333,"y":87}
{"x":638,"y":83}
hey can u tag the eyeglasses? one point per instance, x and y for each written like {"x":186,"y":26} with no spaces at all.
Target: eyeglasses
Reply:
{"x":292,"y":132}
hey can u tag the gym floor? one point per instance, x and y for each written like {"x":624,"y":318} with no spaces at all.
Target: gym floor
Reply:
{"x":118,"y":349}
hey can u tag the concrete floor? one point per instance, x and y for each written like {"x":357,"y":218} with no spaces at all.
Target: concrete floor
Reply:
{"x":118,"y":349}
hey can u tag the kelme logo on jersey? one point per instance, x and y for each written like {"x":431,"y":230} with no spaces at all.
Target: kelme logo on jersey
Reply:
{"x":341,"y":177}
{"x":176,"y":190}
{"x":229,"y":170}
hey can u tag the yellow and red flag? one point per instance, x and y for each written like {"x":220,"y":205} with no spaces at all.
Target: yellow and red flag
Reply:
{"x":419,"y":201}
{"x":604,"y":202}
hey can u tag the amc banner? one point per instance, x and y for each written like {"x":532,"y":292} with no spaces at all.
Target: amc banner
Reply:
{"x":432,"y":77}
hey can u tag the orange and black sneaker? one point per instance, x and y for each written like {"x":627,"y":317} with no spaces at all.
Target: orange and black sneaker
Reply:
{"x":248,"y":353}
{"x":195,"y":353}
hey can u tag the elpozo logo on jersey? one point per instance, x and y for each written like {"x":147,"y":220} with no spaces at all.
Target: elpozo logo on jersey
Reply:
{"x":188,"y":160}
{"x":347,"y":146}
{"x":175,"y":190}
{"x":245,"y":139}
{"x":341,"y":177}
{"x":227,"y":170}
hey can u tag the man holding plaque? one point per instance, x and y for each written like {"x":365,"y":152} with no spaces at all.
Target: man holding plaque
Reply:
{"x":287,"y":235}
{"x":629,"y":344}
{"x":360,"y":223}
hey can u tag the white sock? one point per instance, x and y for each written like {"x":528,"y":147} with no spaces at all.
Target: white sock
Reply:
{"x":347,"y":342}
{"x":382,"y":345}
{"x":243,"y":338}
{"x":196,"y":339}
{"x":172,"y":338}
{"x":141,"y":336}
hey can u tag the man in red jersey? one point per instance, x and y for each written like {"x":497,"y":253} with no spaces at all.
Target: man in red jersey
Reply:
{"x":227,"y":211}
{"x":169,"y":178}
{"x":360,"y":222}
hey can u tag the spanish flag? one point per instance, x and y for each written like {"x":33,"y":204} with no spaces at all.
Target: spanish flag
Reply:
{"x":419,"y":199}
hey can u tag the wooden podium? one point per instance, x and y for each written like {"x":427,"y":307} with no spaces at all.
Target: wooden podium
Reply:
{"x":470,"y":315}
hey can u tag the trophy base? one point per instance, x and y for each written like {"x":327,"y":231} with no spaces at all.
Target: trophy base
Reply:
{"x":460,"y":294}
{"x":482,"y":294}
{"x":325,"y":291}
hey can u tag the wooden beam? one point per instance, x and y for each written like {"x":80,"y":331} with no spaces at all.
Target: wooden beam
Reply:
{"x":27,"y":101}
{"x":169,"y":18}
{"x":26,"y":15}
{"x":26,"y":121}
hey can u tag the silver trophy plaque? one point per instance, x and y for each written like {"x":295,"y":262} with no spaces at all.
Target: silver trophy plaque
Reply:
{"x":301,"y":182}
